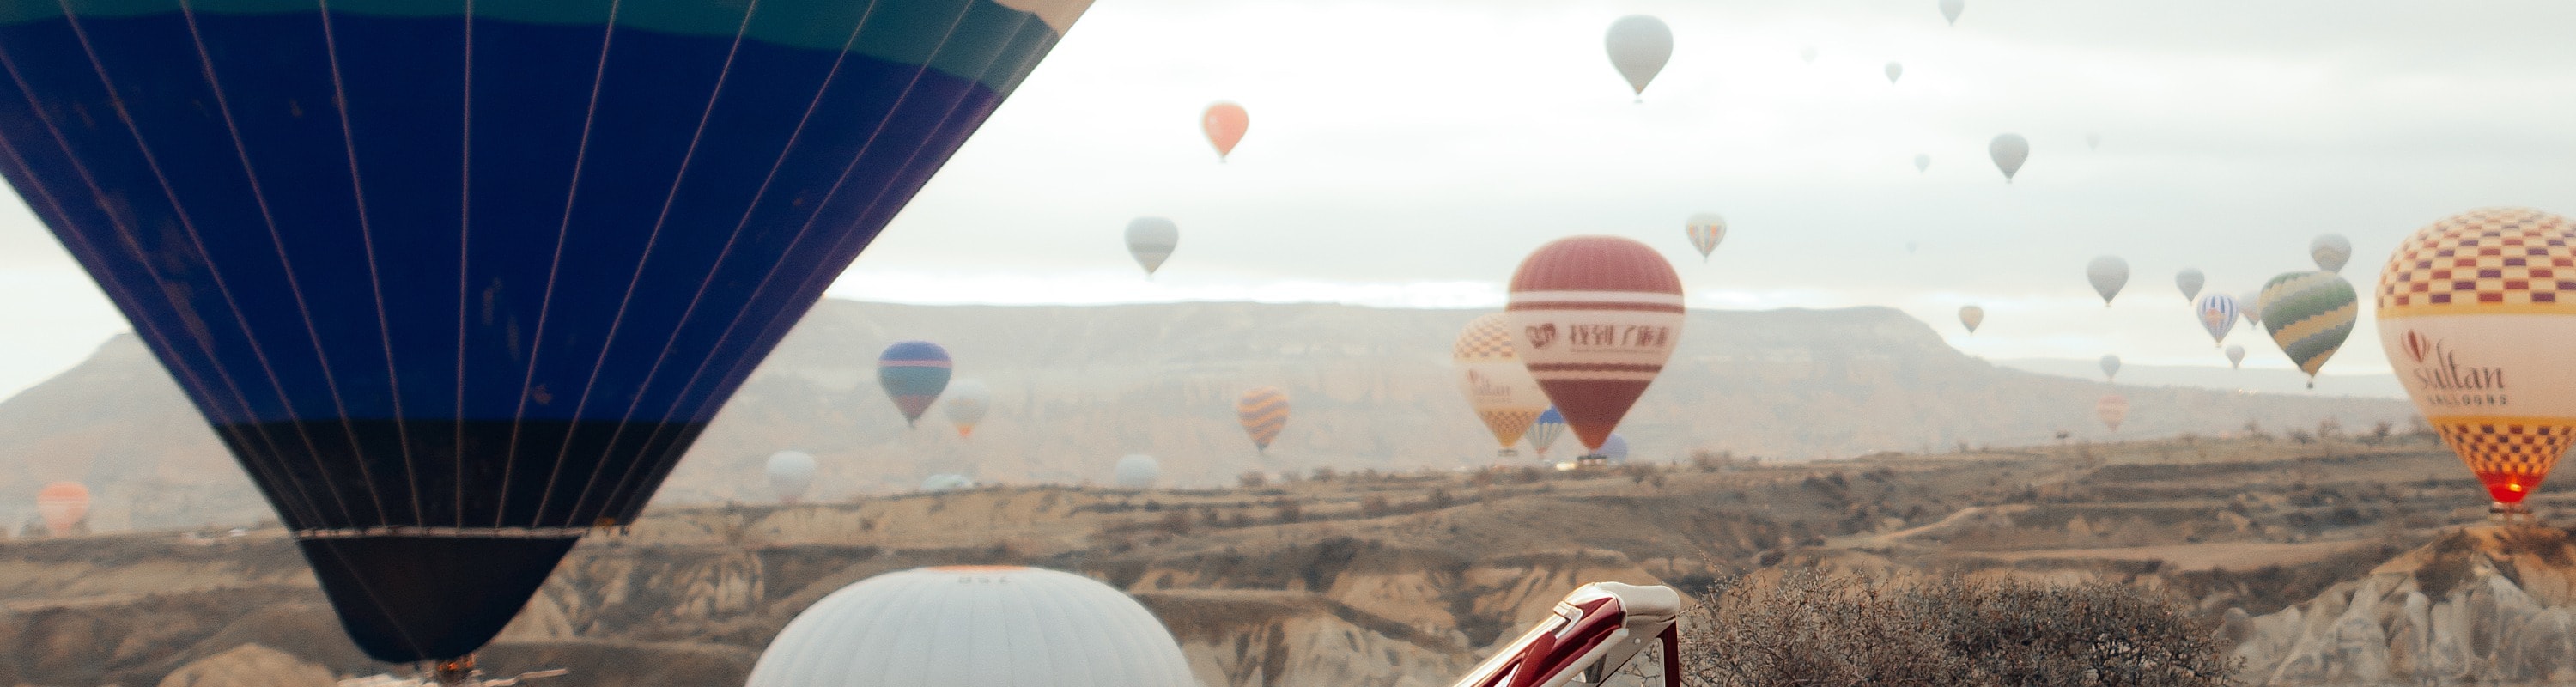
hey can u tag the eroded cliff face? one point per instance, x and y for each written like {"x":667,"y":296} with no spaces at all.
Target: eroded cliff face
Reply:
{"x":2489,"y":605}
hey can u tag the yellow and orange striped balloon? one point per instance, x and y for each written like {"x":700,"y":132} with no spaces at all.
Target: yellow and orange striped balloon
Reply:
{"x":1264,"y":411}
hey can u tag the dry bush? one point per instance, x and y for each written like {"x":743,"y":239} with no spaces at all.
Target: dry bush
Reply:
{"x":1807,"y":628}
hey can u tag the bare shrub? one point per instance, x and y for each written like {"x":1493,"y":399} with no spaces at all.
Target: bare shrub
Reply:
{"x":1808,"y":628}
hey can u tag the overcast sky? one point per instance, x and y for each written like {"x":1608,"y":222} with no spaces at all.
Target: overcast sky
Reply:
{"x":1410,"y":152}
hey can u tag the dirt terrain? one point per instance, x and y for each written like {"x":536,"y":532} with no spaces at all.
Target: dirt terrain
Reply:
{"x":1372,"y":578}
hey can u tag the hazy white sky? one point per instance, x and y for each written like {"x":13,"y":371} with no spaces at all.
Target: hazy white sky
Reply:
{"x":1410,"y":152}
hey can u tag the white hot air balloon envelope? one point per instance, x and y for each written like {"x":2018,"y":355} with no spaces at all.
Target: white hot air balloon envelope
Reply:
{"x":1639,"y":46}
{"x":1137,"y":471}
{"x":947,"y":482}
{"x":1807,"y":54}
{"x":1894,"y":70}
{"x":975,"y":626}
{"x":2250,"y":304}
{"x":791,"y":473}
{"x":2110,"y":367}
{"x":1151,"y":240}
{"x":1950,"y":10}
{"x":2009,"y":151}
{"x":1922,"y":163}
{"x":2330,"y":251}
{"x":2092,"y":141}
{"x":966,"y":402}
{"x":2190,"y":280}
{"x":2235,"y":356}
{"x":2107,"y":274}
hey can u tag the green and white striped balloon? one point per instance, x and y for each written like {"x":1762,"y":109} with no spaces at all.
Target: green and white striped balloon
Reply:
{"x":2309,"y":314}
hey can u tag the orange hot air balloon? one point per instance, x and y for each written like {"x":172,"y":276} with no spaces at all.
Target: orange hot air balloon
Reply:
{"x":2112,"y":410}
{"x":1225,"y":124}
{"x":1594,"y":318}
{"x":2475,"y":312}
{"x":63,"y":505}
{"x":1264,"y":412}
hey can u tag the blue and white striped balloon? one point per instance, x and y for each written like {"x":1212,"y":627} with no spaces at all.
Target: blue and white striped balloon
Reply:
{"x":2217,"y":314}
{"x":1544,"y":431}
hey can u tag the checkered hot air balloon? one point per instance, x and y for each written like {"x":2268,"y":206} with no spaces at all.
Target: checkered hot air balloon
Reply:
{"x":1498,"y":387}
{"x":1264,"y":412}
{"x":2309,"y":314}
{"x":1543,"y":433}
{"x":2217,"y":314}
{"x":1595,"y":317}
{"x":913,"y":373}
{"x":2475,"y":312}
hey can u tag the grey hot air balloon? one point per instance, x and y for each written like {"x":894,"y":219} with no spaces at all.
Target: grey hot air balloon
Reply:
{"x":2235,"y":356}
{"x":2009,"y":150}
{"x":1137,"y":471}
{"x":1894,"y":70}
{"x":1950,"y":10}
{"x":2110,"y":367}
{"x":2093,"y":141}
{"x":2190,"y":280}
{"x":1151,"y":240}
{"x":791,"y":473}
{"x":2107,"y":273}
{"x":2331,"y":251}
{"x":1971,"y":316}
{"x":1639,"y":45}
{"x":2250,"y":304}
{"x":980,"y":625}
{"x":1807,"y":54}
{"x":1922,"y":163}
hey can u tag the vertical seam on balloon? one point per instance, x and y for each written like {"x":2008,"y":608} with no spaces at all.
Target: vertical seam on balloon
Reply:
{"x":117,"y":103}
{"x":546,"y":302}
{"x":727,"y":251}
{"x":803,"y":231}
{"x":652,"y":238}
{"x":375,"y":279}
{"x":464,"y":253}
{"x":80,"y":245}
{"x":259,"y":196}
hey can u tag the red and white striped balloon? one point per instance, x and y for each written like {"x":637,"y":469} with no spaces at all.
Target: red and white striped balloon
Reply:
{"x":1594,"y":318}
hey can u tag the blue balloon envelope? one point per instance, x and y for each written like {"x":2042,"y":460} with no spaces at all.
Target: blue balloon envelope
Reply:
{"x":1544,"y":431}
{"x":914,"y":373}
{"x":458,"y":282}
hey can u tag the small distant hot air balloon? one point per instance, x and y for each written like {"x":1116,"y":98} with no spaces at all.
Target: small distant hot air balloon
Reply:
{"x":1950,"y":10}
{"x":2251,"y":304}
{"x":1225,"y":124}
{"x":1922,"y":163}
{"x":947,"y":482}
{"x":2110,"y":367}
{"x":1894,"y":70}
{"x":1543,"y":433}
{"x":2190,"y":280}
{"x":1614,"y":450}
{"x":790,"y":474}
{"x":2092,"y":141}
{"x":1971,"y":316}
{"x":63,"y":505}
{"x":967,"y":402}
{"x":1151,"y":240}
{"x":1639,"y":46}
{"x":1264,"y":412}
{"x":2486,"y":359}
{"x":1706,"y":230}
{"x":913,"y":373}
{"x":2107,"y":274}
{"x":2112,"y":409}
{"x":2009,"y":151}
{"x":2309,"y":314}
{"x":1499,"y":388}
{"x":1595,"y":317}
{"x":2235,"y":356}
{"x":2330,"y":251}
{"x":1136,"y":471}
{"x":1807,"y":54}
{"x":2217,"y":313}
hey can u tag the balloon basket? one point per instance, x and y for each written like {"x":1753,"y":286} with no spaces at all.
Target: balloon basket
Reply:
{"x":1507,"y":453}
{"x":460,"y":672}
{"x":2510,"y":513}
{"x":1592,"y":461}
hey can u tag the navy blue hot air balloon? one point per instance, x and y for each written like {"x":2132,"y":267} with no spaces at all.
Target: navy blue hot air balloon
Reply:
{"x":914,"y":373}
{"x":460,"y":281}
